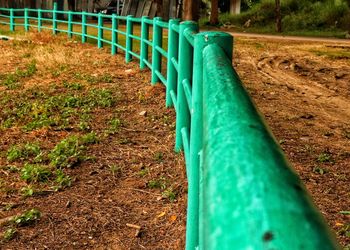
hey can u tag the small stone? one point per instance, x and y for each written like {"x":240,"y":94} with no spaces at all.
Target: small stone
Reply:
{"x":143,"y":113}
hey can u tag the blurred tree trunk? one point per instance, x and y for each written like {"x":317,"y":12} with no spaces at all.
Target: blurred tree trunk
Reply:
{"x":214,"y":15}
{"x":235,"y":6}
{"x":278,"y":16}
{"x":191,"y":10}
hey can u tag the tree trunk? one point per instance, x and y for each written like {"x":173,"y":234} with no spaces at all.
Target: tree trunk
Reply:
{"x":191,"y":10}
{"x":278,"y":16}
{"x":235,"y":7}
{"x":214,"y":15}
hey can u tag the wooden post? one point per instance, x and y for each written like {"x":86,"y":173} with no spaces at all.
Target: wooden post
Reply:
{"x":191,"y":10}
{"x":278,"y":16}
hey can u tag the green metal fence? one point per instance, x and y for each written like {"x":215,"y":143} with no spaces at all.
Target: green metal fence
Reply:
{"x":242,"y":193}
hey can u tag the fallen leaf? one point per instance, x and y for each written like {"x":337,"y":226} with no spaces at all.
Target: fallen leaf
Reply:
{"x":161,"y":214}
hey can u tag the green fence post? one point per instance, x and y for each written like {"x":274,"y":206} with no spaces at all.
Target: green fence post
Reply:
{"x":114,"y":34}
{"x":83,"y":27}
{"x":144,"y":45}
{"x":12,"y":20}
{"x":54,"y":19}
{"x":39,"y":20}
{"x":173,"y":54}
{"x":156,"y":56}
{"x":183,"y":119}
{"x":70,"y":24}
{"x":185,"y":72}
{"x":129,"y":40}
{"x":26,"y":21}
{"x":100,"y":31}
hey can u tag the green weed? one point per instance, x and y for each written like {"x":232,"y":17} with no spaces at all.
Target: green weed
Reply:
{"x":11,"y":81}
{"x":115,"y":170}
{"x":9,"y":234}
{"x":158,"y":156}
{"x":67,"y":153}
{"x":90,"y":138}
{"x":157,"y":183}
{"x":73,"y":86}
{"x":27,"y":191}
{"x":169,"y":194}
{"x":325,"y":157}
{"x":17,"y":152}
{"x":33,"y":173}
{"x":27,"y":218}
{"x":62,"y":180}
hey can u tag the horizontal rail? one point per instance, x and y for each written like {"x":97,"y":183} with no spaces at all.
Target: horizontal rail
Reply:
{"x":256,"y":182}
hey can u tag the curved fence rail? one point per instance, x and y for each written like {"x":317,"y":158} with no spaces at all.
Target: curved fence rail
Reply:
{"x":242,"y":193}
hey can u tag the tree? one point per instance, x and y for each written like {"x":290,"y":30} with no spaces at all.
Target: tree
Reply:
{"x":191,"y":10}
{"x":214,"y":15}
{"x":235,"y":6}
{"x":278,"y":16}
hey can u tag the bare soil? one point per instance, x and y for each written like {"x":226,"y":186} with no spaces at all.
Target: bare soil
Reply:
{"x":302,"y":89}
{"x":113,"y":191}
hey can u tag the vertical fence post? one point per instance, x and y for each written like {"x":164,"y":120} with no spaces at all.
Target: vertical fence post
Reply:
{"x":100,"y":31}
{"x":54,"y":19}
{"x":26,"y":21}
{"x":129,"y":40}
{"x":70,"y":24}
{"x":156,"y":56}
{"x":144,"y":45}
{"x":83,"y":27}
{"x":183,"y":121}
{"x":12,"y":20}
{"x":114,"y":34}
{"x":39,"y":20}
{"x":185,"y":72}
{"x":173,"y":53}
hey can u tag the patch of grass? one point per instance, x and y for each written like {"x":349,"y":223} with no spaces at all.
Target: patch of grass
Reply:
{"x":21,"y":152}
{"x":115,"y":170}
{"x":325,"y":157}
{"x":62,"y":180}
{"x":67,"y":153}
{"x":334,"y":55}
{"x":143,"y":172}
{"x":27,"y":191}
{"x":158,"y":157}
{"x":10,"y":234}
{"x":159,"y":183}
{"x":11,"y":81}
{"x":319,"y":170}
{"x":90,"y":138}
{"x":33,"y":173}
{"x":169,"y":194}
{"x":114,"y":126}
{"x":27,"y":218}
{"x":73,"y":86}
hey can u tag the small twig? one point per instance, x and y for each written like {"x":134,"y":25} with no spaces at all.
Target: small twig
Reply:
{"x":133,"y":226}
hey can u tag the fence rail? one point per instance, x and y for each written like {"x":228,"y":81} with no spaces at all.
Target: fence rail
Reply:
{"x":242,"y":193}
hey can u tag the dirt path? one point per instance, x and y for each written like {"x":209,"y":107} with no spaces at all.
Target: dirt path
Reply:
{"x":289,"y":38}
{"x":303,"y":90}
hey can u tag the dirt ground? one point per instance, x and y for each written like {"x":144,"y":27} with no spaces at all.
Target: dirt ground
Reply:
{"x":135,"y":178}
{"x":303,"y":90}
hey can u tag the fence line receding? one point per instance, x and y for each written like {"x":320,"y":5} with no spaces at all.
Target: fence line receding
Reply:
{"x":242,"y":192}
